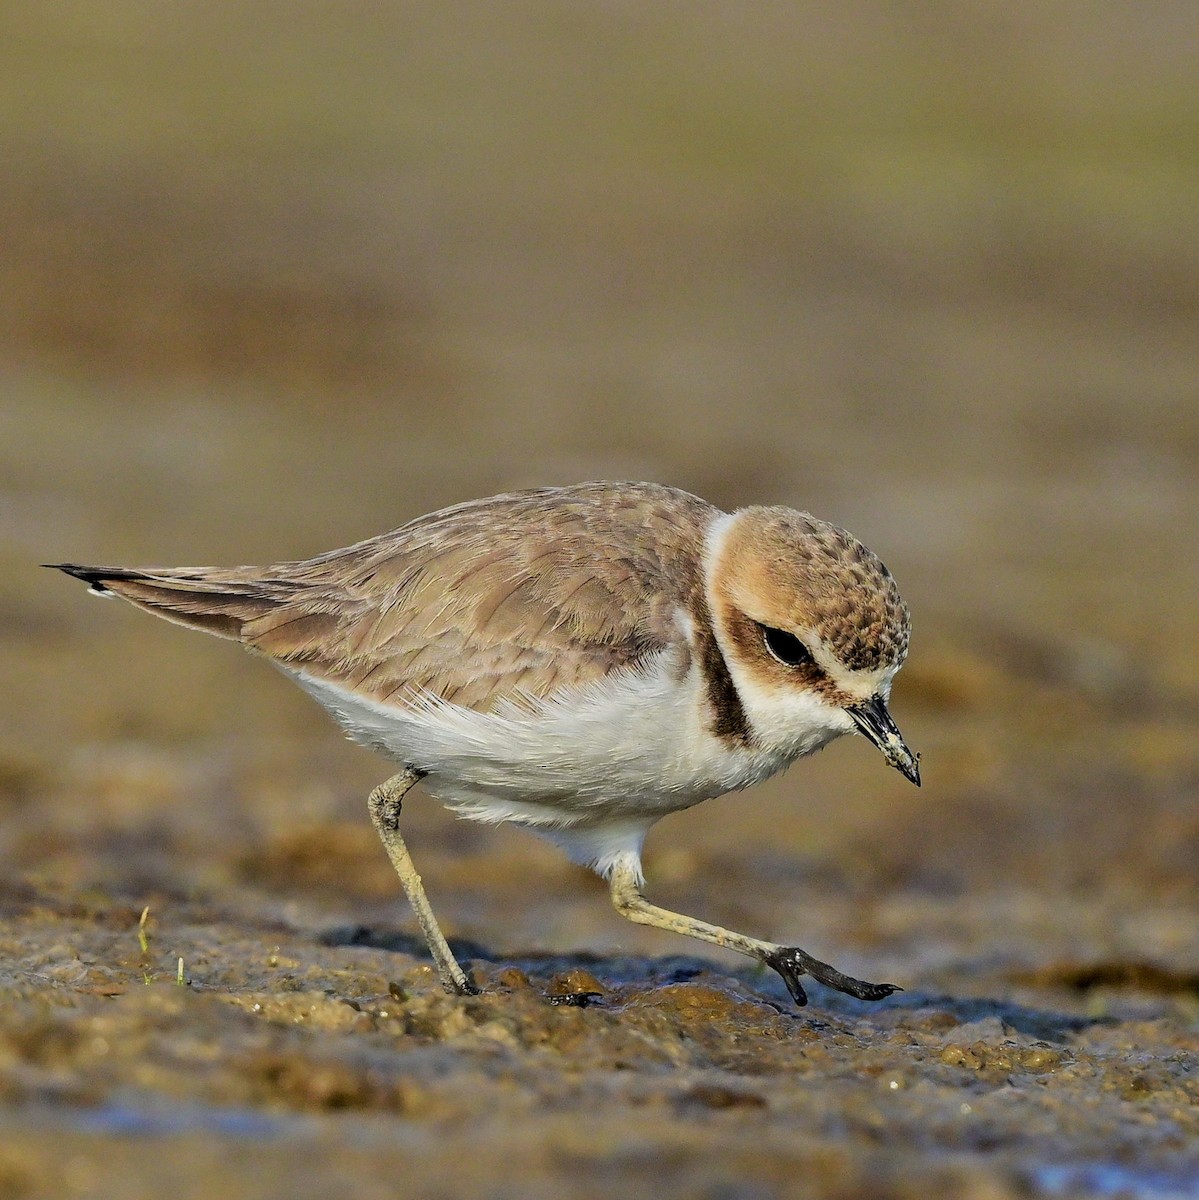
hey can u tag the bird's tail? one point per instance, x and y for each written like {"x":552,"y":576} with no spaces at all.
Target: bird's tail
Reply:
{"x":216,"y":601}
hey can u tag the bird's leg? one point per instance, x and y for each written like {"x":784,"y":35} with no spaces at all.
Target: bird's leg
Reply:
{"x":789,"y":961}
{"x":384,"y":805}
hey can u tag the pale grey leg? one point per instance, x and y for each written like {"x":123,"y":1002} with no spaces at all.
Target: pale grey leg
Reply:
{"x":384,"y":804}
{"x":789,"y":961}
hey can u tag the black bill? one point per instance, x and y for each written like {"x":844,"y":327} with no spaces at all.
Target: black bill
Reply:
{"x":874,"y":721}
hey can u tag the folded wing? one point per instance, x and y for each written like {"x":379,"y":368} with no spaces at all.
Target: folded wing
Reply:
{"x":514,"y":597}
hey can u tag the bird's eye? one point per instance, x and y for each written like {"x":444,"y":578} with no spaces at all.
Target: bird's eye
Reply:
{"x":786,"y":647}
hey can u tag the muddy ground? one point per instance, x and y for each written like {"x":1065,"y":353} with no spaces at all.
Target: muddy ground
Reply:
{"x":272,"y":281}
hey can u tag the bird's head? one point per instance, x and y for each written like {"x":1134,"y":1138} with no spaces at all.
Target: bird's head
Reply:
{"x":813,"y":629}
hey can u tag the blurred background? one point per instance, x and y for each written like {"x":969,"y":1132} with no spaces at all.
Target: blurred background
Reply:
{"x":276,"y":277}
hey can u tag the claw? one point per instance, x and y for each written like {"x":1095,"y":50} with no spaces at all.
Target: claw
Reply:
{"x":791,"y":962}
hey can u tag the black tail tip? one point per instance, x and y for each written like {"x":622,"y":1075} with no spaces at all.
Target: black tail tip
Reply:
{"x":94,"y":577}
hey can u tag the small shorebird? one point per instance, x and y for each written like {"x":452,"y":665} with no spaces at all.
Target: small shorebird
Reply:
{"x":580,"y":660}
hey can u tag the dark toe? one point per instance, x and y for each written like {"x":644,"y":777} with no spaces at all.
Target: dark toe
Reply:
{"x":791,"y":962}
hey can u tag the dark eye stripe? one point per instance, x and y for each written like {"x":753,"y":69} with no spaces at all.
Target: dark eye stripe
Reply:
{"x":786,"y":647}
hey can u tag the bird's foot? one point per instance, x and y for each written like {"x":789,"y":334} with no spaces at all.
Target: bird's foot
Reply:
{"x":791,"y":962}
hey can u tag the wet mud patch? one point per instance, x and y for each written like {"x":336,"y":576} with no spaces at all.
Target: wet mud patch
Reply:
{"x":599,"y":1067}
{"x":1036,"y":1029}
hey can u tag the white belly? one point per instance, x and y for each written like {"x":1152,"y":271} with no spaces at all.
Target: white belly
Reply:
{"x":633,"y":746}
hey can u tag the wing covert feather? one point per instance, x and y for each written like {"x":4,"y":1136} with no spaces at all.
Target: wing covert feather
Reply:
{"x":516,"y":596}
